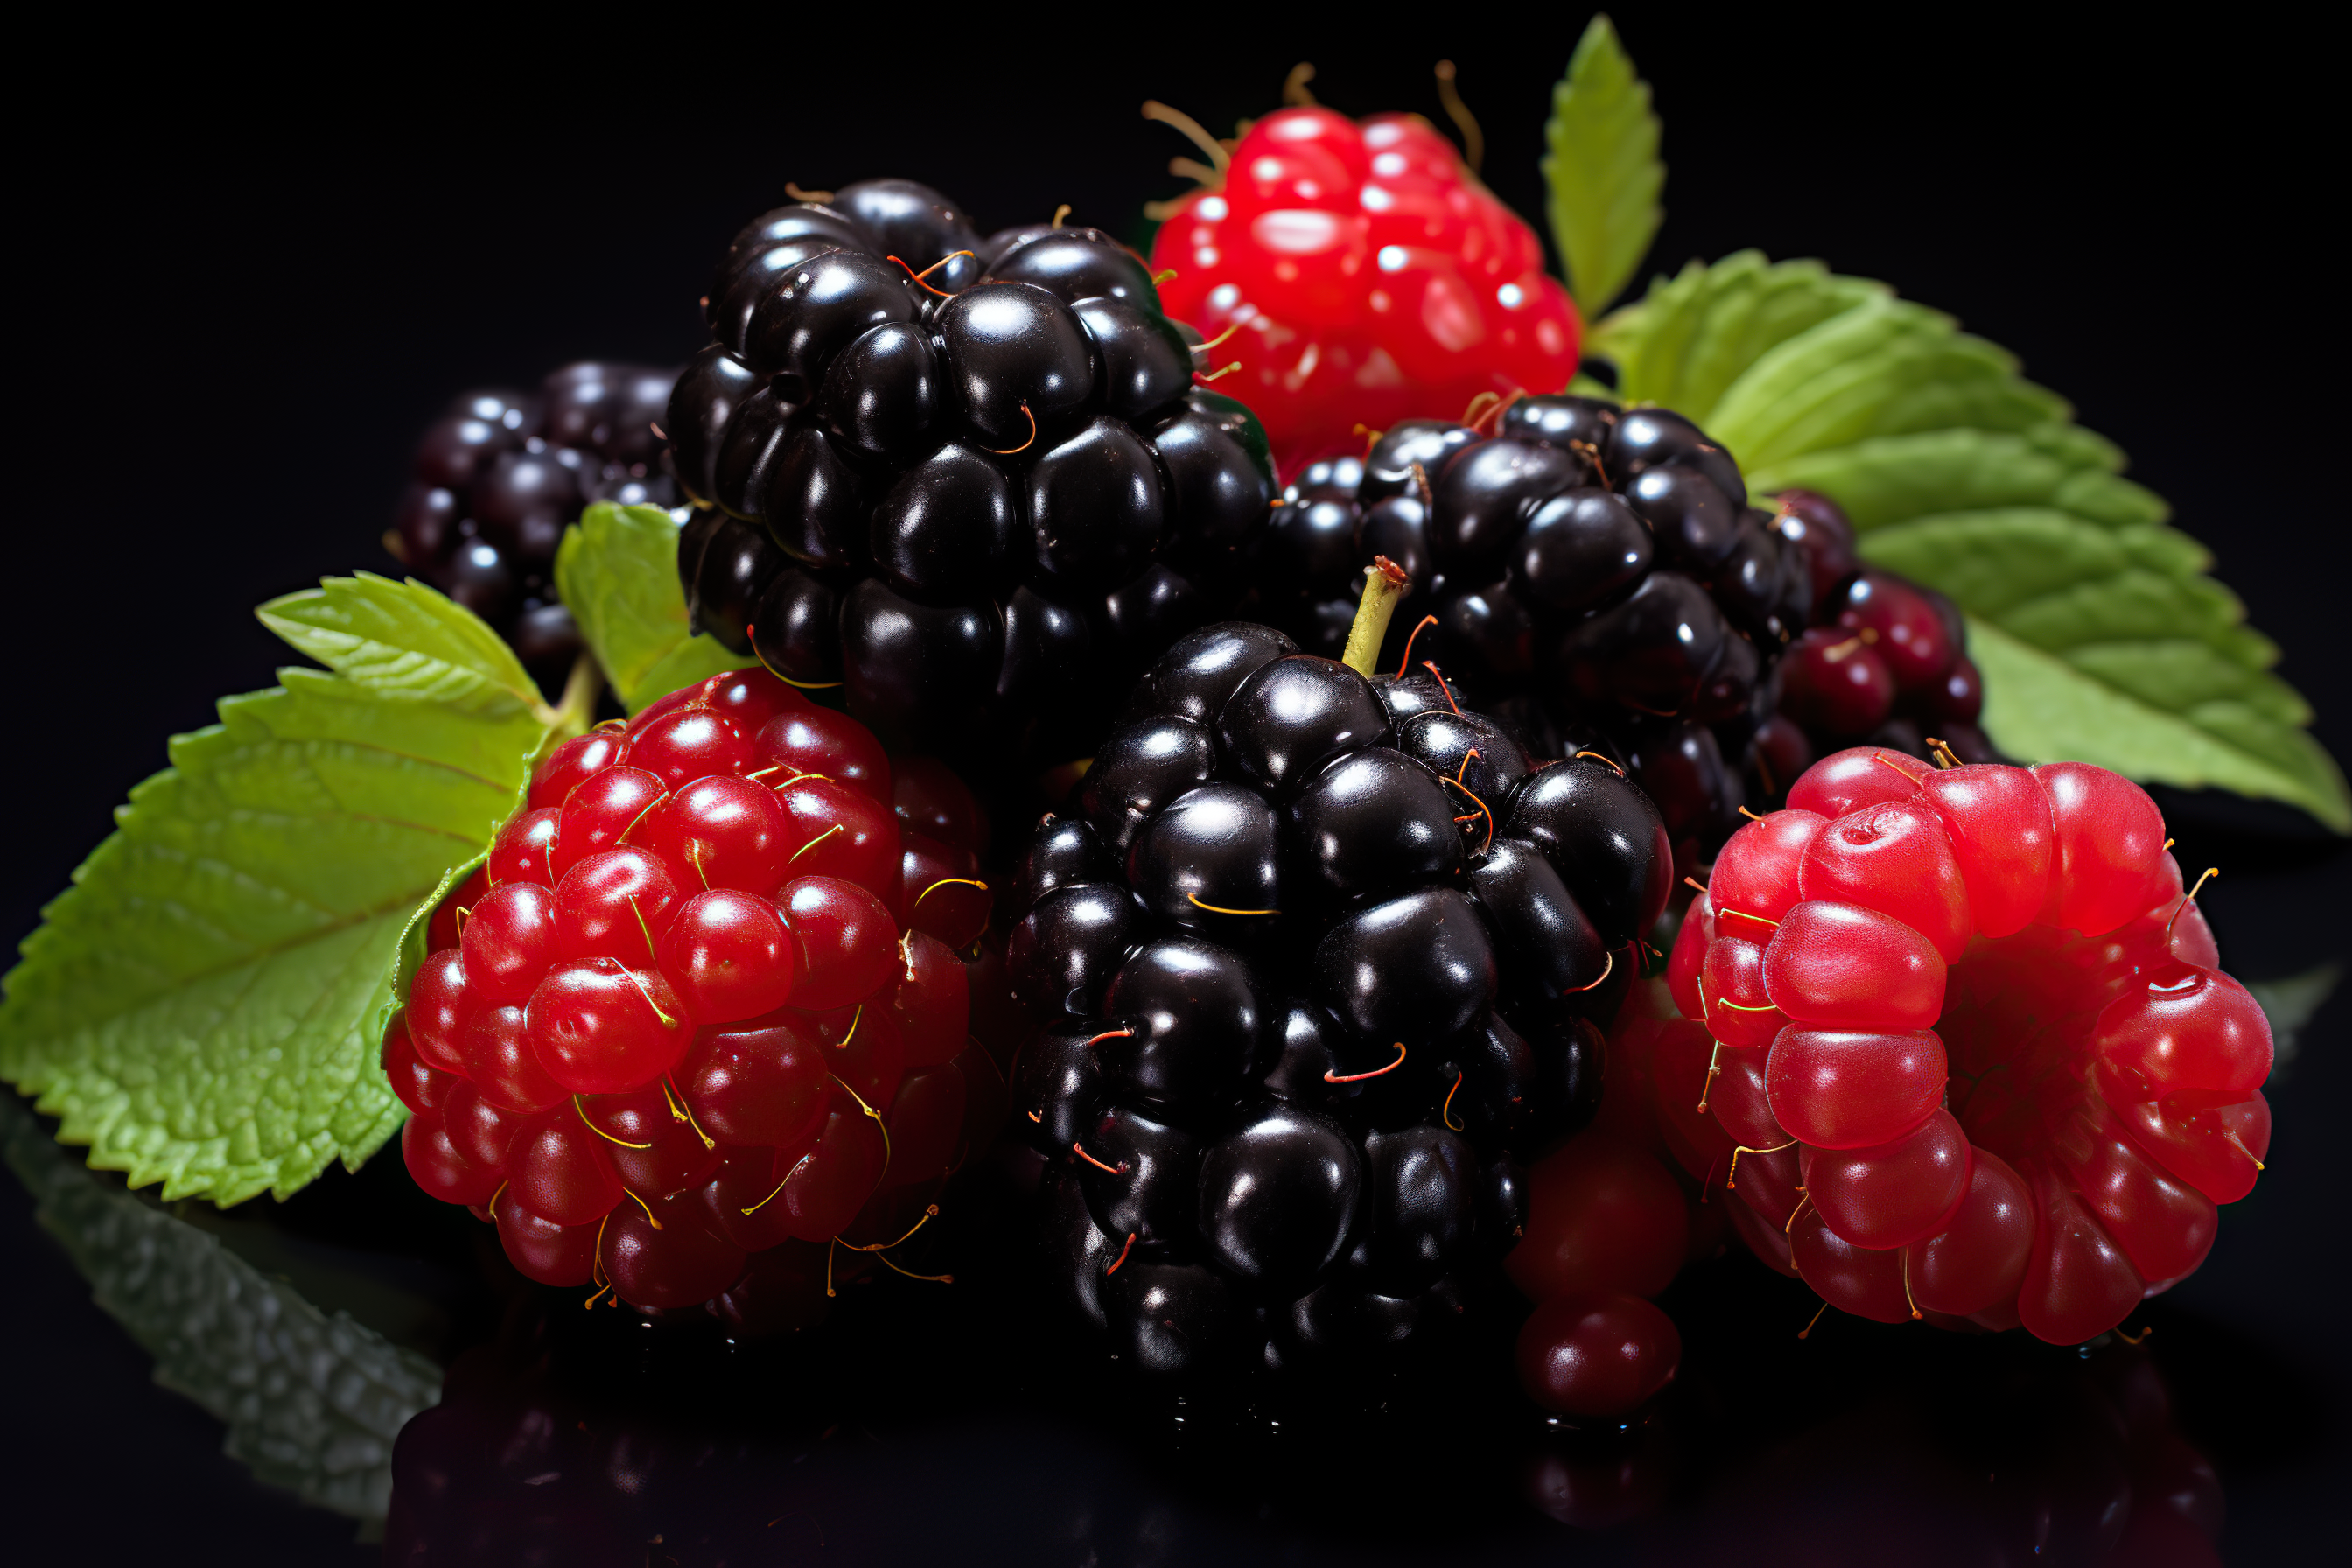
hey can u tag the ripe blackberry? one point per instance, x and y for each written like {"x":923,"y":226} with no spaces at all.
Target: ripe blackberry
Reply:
{"x":969,"y":481}
{"x":1594,"y":574}
{"x":500,"y":478}
{"x":1885,"y":663}
{"x":1313,"y":961}
{"x":1968,"y":1017}
{"x":702,"y":1000}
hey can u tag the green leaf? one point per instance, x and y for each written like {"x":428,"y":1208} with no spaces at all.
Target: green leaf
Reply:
{"x":312,"y":1403}
{"x":203,"y":1005}
{"x":1603,"y":169}
{"x":2103,"y":638}
{"x":618,"y":571}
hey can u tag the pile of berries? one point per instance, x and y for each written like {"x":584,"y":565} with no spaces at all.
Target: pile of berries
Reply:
{"x":1957,"y":1041}
{"x":1594,"y":574}
{"x":1885,"y":663}
{"x":1316,"y":959}
{"x":971,"y":480}
{"x":704,"y":999}
{"x":500,"y":478}
{"x":1361,"y":275}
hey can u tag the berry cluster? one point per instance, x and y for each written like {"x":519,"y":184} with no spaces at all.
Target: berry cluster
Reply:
{"x":702,"y":999}
{"x":1594,"y":573}
{"x":1885,"y":663}
{"x":1958,"y":1040}
{"x":971,"y":480}
{"x":1363,"y":276}
{"x":501,"y":477}
{"x":1315,"y":956}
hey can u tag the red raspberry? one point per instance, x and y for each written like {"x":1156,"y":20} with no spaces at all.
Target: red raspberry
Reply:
{"x":673,"y":1020}
{"x":1370,"y":277}
{"x":1970,"y":1047}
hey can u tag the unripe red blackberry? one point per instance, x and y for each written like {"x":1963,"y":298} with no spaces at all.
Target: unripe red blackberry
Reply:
{"x":700,"y":1001}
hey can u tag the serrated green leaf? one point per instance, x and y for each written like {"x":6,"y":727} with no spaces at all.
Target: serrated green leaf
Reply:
{"x":203,"y":1005}
{"x":395,"y":643}
{"x":1603,"y":169}
{"x":618,"y":571}
{"x":312,"y":1403}
{"x":2039,"y":706}
{"x":1958,"y":473}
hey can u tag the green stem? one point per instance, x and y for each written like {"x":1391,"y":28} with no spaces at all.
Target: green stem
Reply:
{"x":1385,"y":586}
{"x":576,"y":709}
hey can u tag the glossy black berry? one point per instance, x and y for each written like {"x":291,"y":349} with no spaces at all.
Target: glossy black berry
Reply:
{"x":1003,"y":435}
{"x":1416,"y":969}
{"x":1279,"y":1194}
{"x":1314,"y":918}
{"x":1292,"y":716}
{"x":1063,"y":954}
{"x":496,"y":482}
{"x":1171,"y":1320}
{"x":1192,"y":1018}
{"x":1604,"y":837}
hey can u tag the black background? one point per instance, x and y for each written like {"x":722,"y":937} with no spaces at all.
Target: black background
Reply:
{"x":250,"y":270}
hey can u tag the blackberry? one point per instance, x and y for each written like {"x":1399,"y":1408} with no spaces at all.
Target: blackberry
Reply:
{"x":498,"y":480}
{"x":1885,"y":663}
{"x":1595,"y":572}
{"x":1314,"y":958}
{"x":969,"y":481}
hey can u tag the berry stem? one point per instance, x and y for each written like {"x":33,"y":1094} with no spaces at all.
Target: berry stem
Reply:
{"x":1384,"y":586}
{"x":572,"y":714}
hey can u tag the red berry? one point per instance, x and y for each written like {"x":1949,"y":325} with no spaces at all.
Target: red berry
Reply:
{"x":499,"y":1057}
{"x":930,"y":998}
{"x":1370,"y":278}
{"x":525,"y":851}
{"x":541,"y":1250}
{"x":1597,"y":1355}
{"x":478,"y":1128}
{"x":617,"y":903}
{"x":1833,"y":683}
{"x":1840,"y":966}
{"x":1902,"y":625}
{"x":678,"y":993}
{"x":847,"y":940}
{"x":721,"y":832}
{"x":666,"y":1255}
{"x":930,"y":799}
{"x":825,"y":1187}
{"x":831,"y":745}
{"x":436,"y":1004}
{"x":1843,"y":1089}
{"x":1978,"y":1259}
{"x":1895,"y":859}
{"x":729,"y":955}
{"x":940,"y":890}
{"x":509,"y":941}
{"x":655,"y":1144}
{"x":599,"y":810}
{"x":1958,"y":695}
{"x":689,"y":744}
{"x":557,"y":1167}
{"x":1601,"y":1215}
{"x":838,"y":831}
{"x":578,"y":759}
{"x":438,"y":1166}
{"x":599,"y":1026}
{"x":763,"y":1085}
{"x":2016,"y":1082}
{"x":419,"y":1086}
